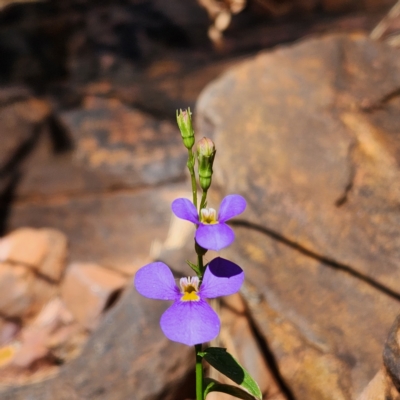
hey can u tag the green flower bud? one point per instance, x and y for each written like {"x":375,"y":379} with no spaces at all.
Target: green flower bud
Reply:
{"x":184,"y":119}
{"x":205,"y":154}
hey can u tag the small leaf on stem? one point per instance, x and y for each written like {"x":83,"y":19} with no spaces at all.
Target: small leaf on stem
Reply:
{"x":210,"y":385}
{"x":222,"y":361}
{"x":194,"y":267}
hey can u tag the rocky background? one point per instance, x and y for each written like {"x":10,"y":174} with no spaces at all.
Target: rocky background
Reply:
{"x":304,"y":108}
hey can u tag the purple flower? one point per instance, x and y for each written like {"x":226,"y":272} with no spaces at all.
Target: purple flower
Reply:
{"x":212,"y":232}
{"x":189,"y":320}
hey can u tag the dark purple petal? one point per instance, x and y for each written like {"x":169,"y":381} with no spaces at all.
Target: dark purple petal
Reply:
{"x":231,"y":206}
{"x":215,"y":236}
{"x":222,"y":278}
{"x":156,"y":281}
{"x":190,"y":322}
{"x":185,"y":209}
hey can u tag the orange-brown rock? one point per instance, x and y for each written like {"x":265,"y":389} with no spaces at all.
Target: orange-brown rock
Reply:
{"x":391,"y":354}
{"x":54,"y":263}
{"x":20,"y":117}
{"x":319,"y":147}
{"x":87,"y":289}
{"x":31,"y":348}
{"x":26,"y":246}
{"x":380,"y":388}
{"x":238,"y":338}
{"x":42,"y":291}
{"x":8,"y":331}
{"x":106,"y":145}
{"x":15,"y":287}
{"x":44,"y":250}
{"x":118,"y":360}
{"x":125,"y":143}
{"x":117,"y":230}
{"x":23,"y":292}
{"x":309,"y":138}
{"x":53,"y":329}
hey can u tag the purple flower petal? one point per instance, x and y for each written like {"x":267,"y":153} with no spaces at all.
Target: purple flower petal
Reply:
{"x":185,"y":209}
{"x":222,"y":278}
{"x":156,"y":281}
{"x":190,"y":322}
{"x":231,"y":206}
{"x":215,"y":236}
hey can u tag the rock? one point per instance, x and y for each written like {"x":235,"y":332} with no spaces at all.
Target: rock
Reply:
{"x":21,"y":117}
{"x":312,"y":317}
{"x":53,"y":329}
{"x":237,"y":337}
{"x":31,"y":349}
{"x":52,"y":315}
{"x":100,"y":147}
{"x":385,"y":384}
{"x":23,"y":293}
{"x":35,"y":260}
{"x":380,"y":388}
{"x":127,"y":357}
{"x":32,"y":259}
{"x":312,"y":126}
{"x":391,"y":353}
{"x":308,"y":138}
{"x":42,"y":291}
{"x":345,"y":5}
{"x":8,"y":331}
{"x":45,"y":250}
{"x":51,"y":338}
{"x":125,"y":144}
{"x":15,"y":287}
{"x":93,"y":224}
{"x":26,"y":246}
{"x":87,"y":289}
{"x":53,"y":265}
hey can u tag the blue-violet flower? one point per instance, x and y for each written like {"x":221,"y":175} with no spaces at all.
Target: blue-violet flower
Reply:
{"x":212,"y":232}
{"x":190,"y":320}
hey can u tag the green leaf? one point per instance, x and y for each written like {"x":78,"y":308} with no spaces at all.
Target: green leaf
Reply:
{"x":221,"y":360}
{"x":194,"y":267}
{"x":210,"y":385}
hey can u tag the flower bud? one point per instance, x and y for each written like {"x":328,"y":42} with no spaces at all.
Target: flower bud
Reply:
{"x":205,"y":155}
{"x":184,"y":119}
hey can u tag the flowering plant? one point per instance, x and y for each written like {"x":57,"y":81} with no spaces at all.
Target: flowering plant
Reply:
{"x":190,"y":319}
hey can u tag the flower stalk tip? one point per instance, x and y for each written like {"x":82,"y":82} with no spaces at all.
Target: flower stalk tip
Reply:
{"x":205,"y":155}
{"x":184,"y":120}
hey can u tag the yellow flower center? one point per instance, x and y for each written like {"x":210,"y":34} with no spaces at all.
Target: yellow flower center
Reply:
{"x":189,"y":288}
{"x":208,"y":216}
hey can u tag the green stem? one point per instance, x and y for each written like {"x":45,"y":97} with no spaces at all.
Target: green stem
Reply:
{"x":200,"y":265}
{"x":190,"y":165}
{"x":199,"y":373}
{"x":203,"y":200}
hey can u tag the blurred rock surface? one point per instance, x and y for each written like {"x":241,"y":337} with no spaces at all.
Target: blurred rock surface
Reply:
{"x":44,"y":250}
{"x":88,"y":289}
{"x":119,"y":360}
{"x":115,"y":229}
